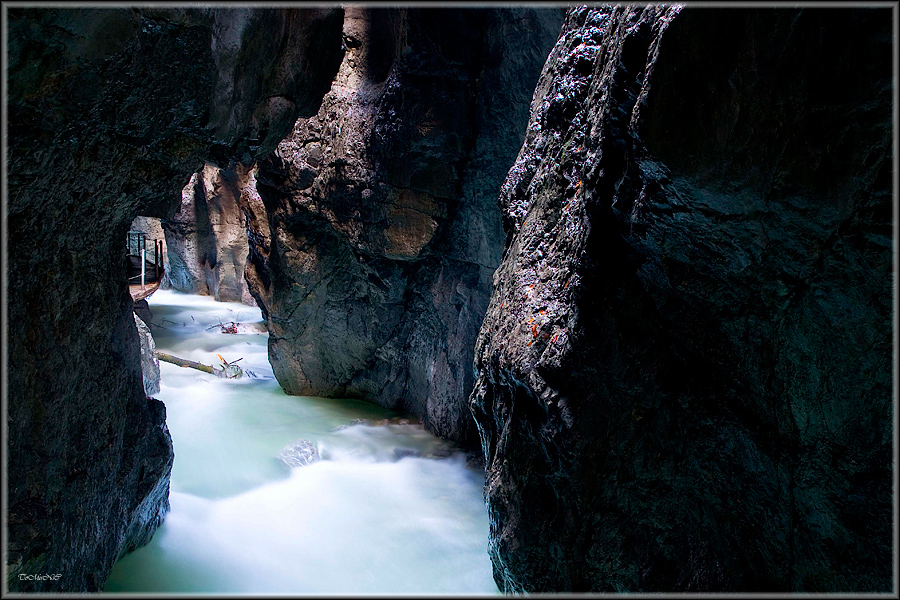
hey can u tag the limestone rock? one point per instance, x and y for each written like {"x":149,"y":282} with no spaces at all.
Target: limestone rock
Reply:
{"x":374,"y":229}
{"x":207,"y":238}
{"x":149,"y":225}
{"x":684,"y":373}
{"x":186,"y":232}
{"x":141,"y":309}
{"x":149,"y":361}
{"x":109,"y":112}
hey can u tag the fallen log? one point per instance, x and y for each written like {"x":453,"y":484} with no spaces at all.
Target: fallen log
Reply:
{"x":181,"y":362}
{"x":229,"y":369}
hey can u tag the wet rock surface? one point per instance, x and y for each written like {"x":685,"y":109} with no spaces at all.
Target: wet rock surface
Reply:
{"x":684,"y":373}
{"x":374,"y":228}
{"x":109,"y":112}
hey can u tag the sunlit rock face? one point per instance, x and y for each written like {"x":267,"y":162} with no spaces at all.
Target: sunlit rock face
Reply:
{"x":109,"y":112}
{"x":207,"y":238}
{"x":374,"y":227}
{"x":684,"y":373}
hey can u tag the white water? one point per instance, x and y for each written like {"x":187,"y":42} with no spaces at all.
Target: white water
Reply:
{"x":359,"y":521}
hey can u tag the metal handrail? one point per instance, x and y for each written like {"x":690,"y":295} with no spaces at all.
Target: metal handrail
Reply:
{"x":136,"y":245}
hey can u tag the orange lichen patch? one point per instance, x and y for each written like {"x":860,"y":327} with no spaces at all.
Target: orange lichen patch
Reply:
{"x":534,"y":330}
{"x":531,"y":320}
{"x":578,"y":185}
{"x":555,"y":337}
{"x":531,"y":342}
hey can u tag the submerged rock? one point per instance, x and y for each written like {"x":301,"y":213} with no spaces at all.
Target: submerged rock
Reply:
{"x":149,"y":361}
{"x":684,"y":373}
{"x":299,"y":453}
{"x":374,"y":229}
{"x":406,"y":452}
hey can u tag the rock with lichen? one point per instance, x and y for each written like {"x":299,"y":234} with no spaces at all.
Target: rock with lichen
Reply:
{"x":684,"y":373}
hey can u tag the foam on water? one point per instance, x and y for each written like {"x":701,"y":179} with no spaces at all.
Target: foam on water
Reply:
{"x":389,"y":509}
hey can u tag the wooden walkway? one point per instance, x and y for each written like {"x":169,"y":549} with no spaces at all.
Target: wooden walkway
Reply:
{"x":139,"y":294}
{"x":140,"y":269}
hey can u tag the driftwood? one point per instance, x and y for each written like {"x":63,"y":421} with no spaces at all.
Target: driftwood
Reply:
{"x":229,"y":370}
{"x":230,"y":327}
{"x":185,"y":363}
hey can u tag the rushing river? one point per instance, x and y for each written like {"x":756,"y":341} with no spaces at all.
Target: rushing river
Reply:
{"x":388,"y":509}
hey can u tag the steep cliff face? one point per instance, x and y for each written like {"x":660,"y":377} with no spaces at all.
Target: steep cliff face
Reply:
{"x":109,"y":112}
{"x":207,"y":238}
{"x":376,"y":231}
{"x":684,"y":373}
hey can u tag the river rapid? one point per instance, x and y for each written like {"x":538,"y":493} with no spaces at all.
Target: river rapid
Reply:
{"x":387,"y":509}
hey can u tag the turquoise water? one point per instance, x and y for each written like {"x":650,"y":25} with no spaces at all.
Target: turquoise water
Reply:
{"x":367,"y":518}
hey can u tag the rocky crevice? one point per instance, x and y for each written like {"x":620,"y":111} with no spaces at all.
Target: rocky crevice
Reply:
{"x":374,"y":227}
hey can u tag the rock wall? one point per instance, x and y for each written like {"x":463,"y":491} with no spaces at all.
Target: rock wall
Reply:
{"x":153,"y":228}
{"x":149,"y":361}
{"x":207,"y":238}
{"x":684,"y":373}
{"x":374,"y":228}
{"x":109,"y":112}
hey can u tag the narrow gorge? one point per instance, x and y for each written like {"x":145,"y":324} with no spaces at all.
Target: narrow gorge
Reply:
{"x":637,"y":262}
